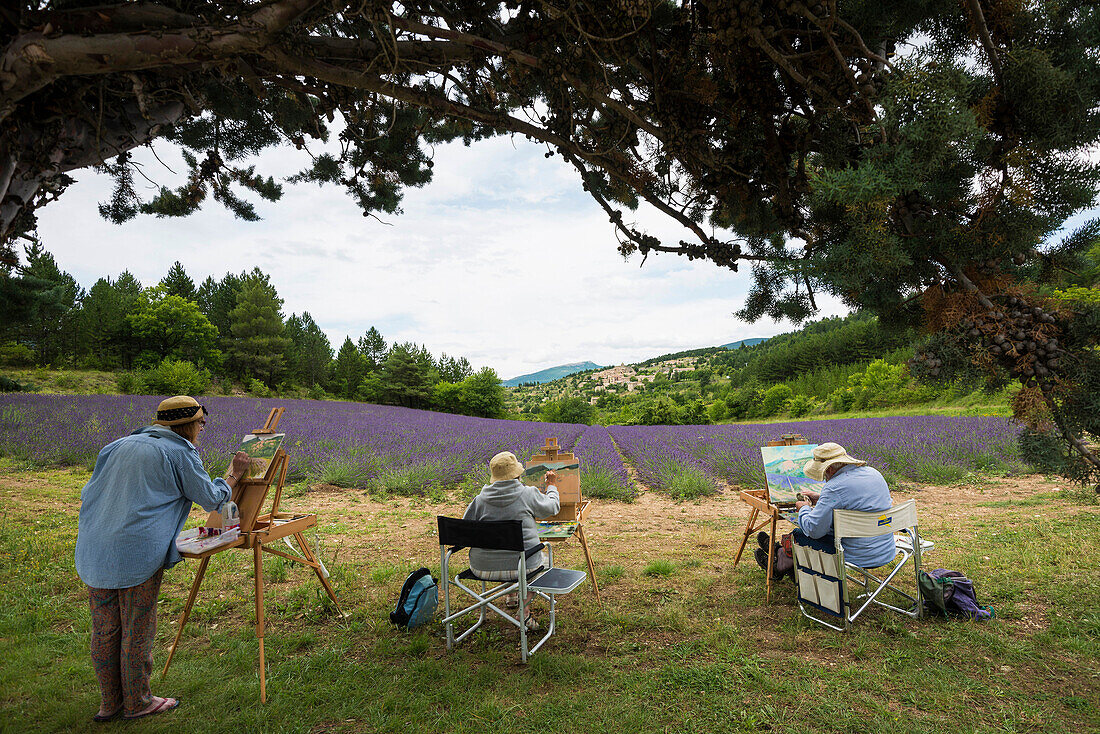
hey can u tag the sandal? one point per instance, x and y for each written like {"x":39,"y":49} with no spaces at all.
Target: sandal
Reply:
{"x":161,"y":705}
{"x":511,"y":601}
{"x":102,"y":718}
{"x":532,"y":624}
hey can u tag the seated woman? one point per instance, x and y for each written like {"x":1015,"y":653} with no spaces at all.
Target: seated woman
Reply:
{"x":507,"y":498}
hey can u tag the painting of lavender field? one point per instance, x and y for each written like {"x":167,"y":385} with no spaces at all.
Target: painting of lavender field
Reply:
{"x":422,"y":451}
{"x":783,"y":471}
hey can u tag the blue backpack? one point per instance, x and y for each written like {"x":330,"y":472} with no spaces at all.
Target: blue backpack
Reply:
{"x":418,"y":601}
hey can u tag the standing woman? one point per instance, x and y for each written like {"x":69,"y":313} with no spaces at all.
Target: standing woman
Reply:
{"x":131,"y":511}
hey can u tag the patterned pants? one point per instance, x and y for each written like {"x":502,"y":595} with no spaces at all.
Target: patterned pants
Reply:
{"x":124,"y":625}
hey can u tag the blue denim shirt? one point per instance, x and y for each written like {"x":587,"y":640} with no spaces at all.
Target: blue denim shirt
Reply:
{"x":135,"y":505}
{"x":859,"y":488}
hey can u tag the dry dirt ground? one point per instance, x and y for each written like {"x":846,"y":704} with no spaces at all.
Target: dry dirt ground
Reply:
{"x":399,"y":526}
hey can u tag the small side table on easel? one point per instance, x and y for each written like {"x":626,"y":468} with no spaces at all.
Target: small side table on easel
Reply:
{"x":766,"y":511}
{"x":257,"y":532}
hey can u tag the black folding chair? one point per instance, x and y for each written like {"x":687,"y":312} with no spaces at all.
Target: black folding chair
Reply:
{"x":506,"y":535}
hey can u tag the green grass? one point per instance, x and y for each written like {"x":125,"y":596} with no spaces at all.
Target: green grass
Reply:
{"x":660,"y":567}
{"x":683,"y":641}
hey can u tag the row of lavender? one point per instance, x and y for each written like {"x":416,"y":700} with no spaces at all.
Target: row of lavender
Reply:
{"x":375,"y":439}
{"x":920,"y":448}
{"x":53,"y":429}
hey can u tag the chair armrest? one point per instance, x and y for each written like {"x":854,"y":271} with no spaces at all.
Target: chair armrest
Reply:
{"x":455,"y":549}
{"x":533,"y":550}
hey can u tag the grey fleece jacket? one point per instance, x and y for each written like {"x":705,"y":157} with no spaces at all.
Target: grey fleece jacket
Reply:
{"x":510,"y":499}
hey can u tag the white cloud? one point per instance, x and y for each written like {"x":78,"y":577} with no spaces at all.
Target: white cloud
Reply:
{"x":502,"y":259}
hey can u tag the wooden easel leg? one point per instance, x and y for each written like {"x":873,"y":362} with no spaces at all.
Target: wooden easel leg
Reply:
{"x":748,"y":532}
{"x":591,"y":568}
{"x":186,"y":611}
{"x":771,"y":559}
{"x":257,"y":558}
{"x":308,"y":553}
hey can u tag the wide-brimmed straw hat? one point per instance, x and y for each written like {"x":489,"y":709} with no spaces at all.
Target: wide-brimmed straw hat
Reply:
{"x":178,"y":410}
{"x":505,"y":465}
{"x":825,"y":456}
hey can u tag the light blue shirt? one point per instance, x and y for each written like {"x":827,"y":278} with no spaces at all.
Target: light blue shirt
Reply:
{"x":135,"y":505}
{"x":859,"y":488}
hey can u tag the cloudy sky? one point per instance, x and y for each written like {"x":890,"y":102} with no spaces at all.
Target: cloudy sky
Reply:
{"x":502,"y":259}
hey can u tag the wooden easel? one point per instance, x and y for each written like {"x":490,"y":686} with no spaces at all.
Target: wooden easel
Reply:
{"x":257,"y":531}
{"x":574,"y":508}
{"x":767,"y":511}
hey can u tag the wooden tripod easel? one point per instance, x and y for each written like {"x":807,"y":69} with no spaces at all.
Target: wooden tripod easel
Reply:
{"x":767,"y":512}
{"x":573,"y":506}
{"x":257,"y":531}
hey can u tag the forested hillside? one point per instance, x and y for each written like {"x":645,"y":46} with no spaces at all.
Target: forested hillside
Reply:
{"x":834,"y":365}
{"x":221,"y":336}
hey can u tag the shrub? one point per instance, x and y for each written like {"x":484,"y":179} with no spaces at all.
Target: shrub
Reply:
{"x":130,"y":383}
{"x":718,"y":411}
{"x":14,"y":354}
{"x":9,"y":385}
{"x":842,"y":399}
{"x":603,"y":484}
{"x":258,"y":389}
{"x":744,"y":402}
{"x":176,"y":377}
{"x":340,"y":473}
{"x":473,"y":483}
{"x":801,"y":405}
{"x":689,"y":483}
{"x":775,"y":400}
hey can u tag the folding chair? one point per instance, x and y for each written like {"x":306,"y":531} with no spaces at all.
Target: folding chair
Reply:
{"x":825,"y":580}
{"x":505,"y":535}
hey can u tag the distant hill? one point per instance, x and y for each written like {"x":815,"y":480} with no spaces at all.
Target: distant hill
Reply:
{"x":552,"y":373}
{"x":746,"y":342}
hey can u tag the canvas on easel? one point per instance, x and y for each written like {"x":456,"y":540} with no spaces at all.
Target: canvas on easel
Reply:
{"x":566,"y":466}
{"x":783,"y":471}
{"x":262,"y":450}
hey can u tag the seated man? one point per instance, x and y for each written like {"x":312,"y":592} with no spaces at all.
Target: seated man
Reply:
{"x":849,"y":485}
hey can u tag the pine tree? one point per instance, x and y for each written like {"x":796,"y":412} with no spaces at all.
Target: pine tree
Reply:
{"x":372,"y":347}
{"x":178,"y":283}
{"x":347,"y":371}
{"x":408,"y":376}
{"x":256,"y":323}
{"x":311,"y":348}
{"x":40,"y":304}
{"x":216,"y":298}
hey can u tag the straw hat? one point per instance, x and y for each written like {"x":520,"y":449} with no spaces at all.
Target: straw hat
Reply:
{"x":178,"y":410}
{"x":825,"y":456}
{"x":505,"y":465}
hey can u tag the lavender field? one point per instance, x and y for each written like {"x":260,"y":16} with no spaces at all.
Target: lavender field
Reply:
{"x":417,"y":450}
